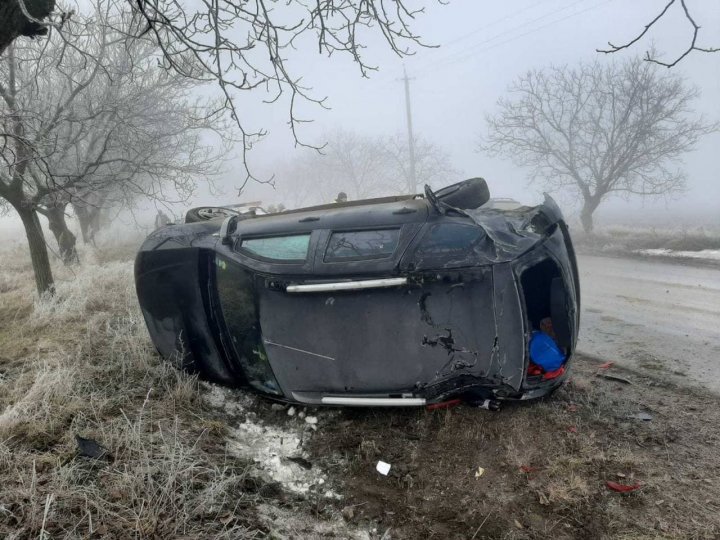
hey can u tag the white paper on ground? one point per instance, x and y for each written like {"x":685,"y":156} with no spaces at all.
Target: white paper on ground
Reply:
{"x":383,"y":468}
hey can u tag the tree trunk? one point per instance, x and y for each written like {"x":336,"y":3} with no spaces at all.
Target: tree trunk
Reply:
{"x":89,"y":219}
{"x":38,"y":250}
{"x":586,"y":214}
{"x":65,"y":238}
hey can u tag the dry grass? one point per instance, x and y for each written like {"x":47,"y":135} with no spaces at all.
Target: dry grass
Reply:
{"x":81,"y":363}
{"x":627,"y":240}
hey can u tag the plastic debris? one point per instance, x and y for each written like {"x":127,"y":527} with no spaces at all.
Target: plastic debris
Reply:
{"x":480,"y":471}
{"x":528,"y":469}
{"x":444,"y":405}
{"x":311,"y":419}
{"x":572,"y":429}
{"x":622,"y":488}
{"x":90,"y":448}
{"x":291,"y":411}
{"x":383,"y":468}
{"x":606,"y":365}
{"x":614,"y":378}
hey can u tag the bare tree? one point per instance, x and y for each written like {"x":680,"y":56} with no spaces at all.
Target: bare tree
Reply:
{"x":361,"y":167}
{"x":96,"y":132}
{"x":246,"y":46}
{"x":433,"y":165}
{"x":599,"y":130}
{"x":651,"y":55}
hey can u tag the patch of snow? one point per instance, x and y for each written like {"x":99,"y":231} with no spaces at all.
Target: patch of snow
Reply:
{"x":285,"y":523}
{"x":229,"y":400}
{"x":708,"y":254}
{"x":270,"y":447}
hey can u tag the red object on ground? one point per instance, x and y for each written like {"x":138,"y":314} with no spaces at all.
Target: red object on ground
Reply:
{"x":622,"y":488}
{"x":572,"y":429}
{"x":527,"y":469}
{"x":572,"y":407}
{"x":554,"y":374}
{"x":444,"y":405}
{"x":607,"y":365}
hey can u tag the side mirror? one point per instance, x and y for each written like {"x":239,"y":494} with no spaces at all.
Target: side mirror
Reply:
{"x":466,"y":195}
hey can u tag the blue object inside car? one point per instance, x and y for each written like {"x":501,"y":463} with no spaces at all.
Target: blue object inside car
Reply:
{"x":544,"y":352}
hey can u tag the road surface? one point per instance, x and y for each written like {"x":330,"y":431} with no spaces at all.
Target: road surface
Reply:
{"x":654,"y":315}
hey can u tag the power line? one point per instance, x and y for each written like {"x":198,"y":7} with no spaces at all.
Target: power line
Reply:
{"x":510,"y":16}
{"x":471,"y":51}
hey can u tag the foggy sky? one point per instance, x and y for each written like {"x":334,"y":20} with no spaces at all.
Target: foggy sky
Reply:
{"x":483,"y":47}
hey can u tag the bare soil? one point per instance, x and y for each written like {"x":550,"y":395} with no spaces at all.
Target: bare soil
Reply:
{"x":545,"y":464}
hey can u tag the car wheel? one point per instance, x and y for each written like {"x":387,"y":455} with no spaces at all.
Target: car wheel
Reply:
{"x":206,"y":213}
{"x":465,"y":195}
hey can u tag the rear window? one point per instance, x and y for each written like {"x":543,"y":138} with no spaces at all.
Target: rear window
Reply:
{"x":279,"y":248}
{"x":362,"y":245}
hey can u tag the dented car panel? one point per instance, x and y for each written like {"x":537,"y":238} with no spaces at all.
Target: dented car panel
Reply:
{"x":400,"y":301}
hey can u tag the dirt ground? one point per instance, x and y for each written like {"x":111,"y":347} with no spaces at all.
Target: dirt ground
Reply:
{"x":186,"y":459}
{"x":545,"y":464}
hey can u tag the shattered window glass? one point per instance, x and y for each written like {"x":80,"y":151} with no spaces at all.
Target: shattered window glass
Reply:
{"x":362,"y":245}
{"x":281,"y":248}
{"x":449,"y":239}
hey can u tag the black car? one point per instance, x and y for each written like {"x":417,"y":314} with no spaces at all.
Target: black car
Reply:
{"x":407,"y":300}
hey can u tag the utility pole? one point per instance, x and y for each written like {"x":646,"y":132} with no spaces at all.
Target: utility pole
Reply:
{"x":412,"y":179}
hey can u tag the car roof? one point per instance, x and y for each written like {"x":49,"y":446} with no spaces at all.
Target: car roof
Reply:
{"x":381,"y":212}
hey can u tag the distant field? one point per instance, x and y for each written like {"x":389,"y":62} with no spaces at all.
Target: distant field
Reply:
{"x":700,"y":243}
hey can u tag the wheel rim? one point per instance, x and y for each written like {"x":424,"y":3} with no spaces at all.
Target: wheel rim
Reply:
{"x":212,"y":213}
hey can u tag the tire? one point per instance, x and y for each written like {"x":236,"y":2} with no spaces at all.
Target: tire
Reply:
{"x":465,"y":195}
{"x":206,"y":213}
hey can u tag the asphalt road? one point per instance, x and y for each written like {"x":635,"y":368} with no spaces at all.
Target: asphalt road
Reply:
{"x":653,"y":315}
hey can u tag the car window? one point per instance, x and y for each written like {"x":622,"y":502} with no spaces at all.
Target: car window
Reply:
{"x":449,"y":239}
{"x":362,"y":245}
{"x":280,"y":248}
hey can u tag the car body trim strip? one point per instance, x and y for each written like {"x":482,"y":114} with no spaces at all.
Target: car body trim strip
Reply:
{"x":373,"y":402}
{"x":348,"y":285}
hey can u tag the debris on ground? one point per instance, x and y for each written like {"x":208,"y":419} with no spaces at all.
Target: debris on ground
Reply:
{"x":622,"y":488}
{"x":645,"y":417}
{"x":615,"y":378}
{"x":383,"y":468}
{"x":480,"y":471}
{"x":91,"y":448}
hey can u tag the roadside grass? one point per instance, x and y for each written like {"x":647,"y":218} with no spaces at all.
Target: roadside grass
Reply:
{"x":81,"y":364}
{"x":628,"y":240}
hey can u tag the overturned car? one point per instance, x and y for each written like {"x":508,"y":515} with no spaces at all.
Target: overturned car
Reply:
{"x":407,"y":300}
